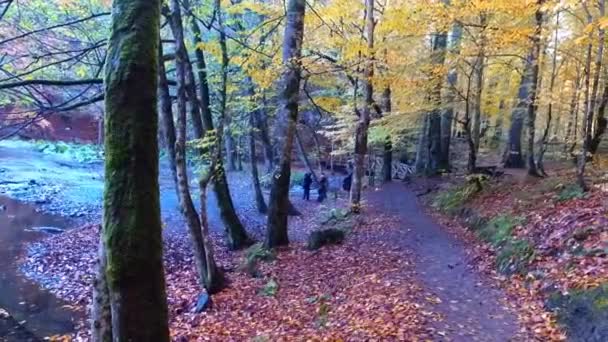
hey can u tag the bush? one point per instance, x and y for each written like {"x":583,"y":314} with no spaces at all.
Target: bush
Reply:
{"x":569,"y":192}
{"x":320,"y":238}
{"x":253,"y":256}
{"x":270,"y":289}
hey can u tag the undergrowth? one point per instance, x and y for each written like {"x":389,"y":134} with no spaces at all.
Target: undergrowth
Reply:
{"x":513,"y":254}
{"x":452,"y":200}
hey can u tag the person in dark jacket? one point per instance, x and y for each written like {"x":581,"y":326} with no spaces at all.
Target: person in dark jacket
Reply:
{"x":347,"y":182}
{"x":306,"y":185}
{"x":323,"y":184}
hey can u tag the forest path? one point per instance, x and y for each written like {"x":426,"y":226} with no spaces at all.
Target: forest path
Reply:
{"x":472,"y":309}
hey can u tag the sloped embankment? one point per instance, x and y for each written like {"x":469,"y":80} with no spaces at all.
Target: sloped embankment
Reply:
{"x":548,"y":240}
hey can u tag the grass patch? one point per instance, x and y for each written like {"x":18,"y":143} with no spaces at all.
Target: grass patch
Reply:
{"x":499,"y":229}
{"x":83,"y":153}
{"x":513,"y":255}
{"x":452,"y":200}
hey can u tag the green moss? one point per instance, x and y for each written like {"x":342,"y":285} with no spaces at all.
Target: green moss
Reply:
{"x":514,"y":257}
{"x":583,"y":313}
{"x":253,"y":256}
{"x":569,"y":192}
{"x":270,"y":289}
{"x":452,"y":200}
{"x":499,"y":229}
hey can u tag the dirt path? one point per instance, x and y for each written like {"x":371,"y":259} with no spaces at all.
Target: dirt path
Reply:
{"x":472,"y":309}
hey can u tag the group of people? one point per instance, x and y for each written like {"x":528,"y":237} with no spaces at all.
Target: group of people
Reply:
{"x":323,"y":186}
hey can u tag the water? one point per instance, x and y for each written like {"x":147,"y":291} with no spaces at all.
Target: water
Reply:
{"x":39,"y":313}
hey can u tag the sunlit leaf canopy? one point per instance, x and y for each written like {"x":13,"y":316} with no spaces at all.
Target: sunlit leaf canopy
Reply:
{"x":65,"y":40}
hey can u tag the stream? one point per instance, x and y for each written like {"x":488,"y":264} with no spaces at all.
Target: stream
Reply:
{"x":27,"y":312}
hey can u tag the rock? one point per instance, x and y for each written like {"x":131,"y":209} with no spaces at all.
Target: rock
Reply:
{"x":50,"y":230}
{"x":203,"y":303}
{"x":41,"y":201}
{"x":32,"y":182}
{"x":320,"y":238}
{"x":2,"y":207}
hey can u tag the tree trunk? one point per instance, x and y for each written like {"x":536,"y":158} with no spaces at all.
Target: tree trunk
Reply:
{"x":365,"y":114}
{"x":513,"y":156}
{"x":421,"y":147}
{"x":227,"y":134}
{"x":600,"y":122}
{"x":304,"y":157}
{"x":387,"y":160}
{"x":236,"y":234}
{"x":166,"y":111}
{"x":255,"y":179}
{"x":573,"y":115}
{"x":447,"y":115}
{"x":215,"y":276}
{"x":261,"y":120}
{"x":387,"y":164}
{"x":101,"y":329}
{"x":188,"y":209}
{"x":131,"y":222}
{"x":590,"y":98}
{"x":544,"y":140}
{"x":286,"y":121}
{"x":533,"y":91}
{"x":475,"y":132}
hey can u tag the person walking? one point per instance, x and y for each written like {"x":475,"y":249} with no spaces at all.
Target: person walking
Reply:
{"x":306,"y":185}
{"x":323,"y":184}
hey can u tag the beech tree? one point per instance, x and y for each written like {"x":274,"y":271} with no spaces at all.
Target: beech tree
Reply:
{"x":289,"y":85}
{"x":131,"y":231}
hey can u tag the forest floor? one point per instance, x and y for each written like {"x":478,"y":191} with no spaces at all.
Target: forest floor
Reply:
{"x":401,"y":274}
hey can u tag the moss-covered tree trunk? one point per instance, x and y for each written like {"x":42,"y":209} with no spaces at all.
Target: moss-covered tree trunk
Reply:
{"x":289,"y":84}
{"x":131,"y":223}
{"x":237,"y":237}
{"x":101,"y":316}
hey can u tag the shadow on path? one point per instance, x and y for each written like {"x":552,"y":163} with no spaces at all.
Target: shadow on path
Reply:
{"x":471,"y":308}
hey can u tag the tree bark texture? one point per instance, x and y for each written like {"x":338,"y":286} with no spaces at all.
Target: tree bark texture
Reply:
{"x":131,"y":231}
